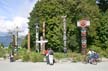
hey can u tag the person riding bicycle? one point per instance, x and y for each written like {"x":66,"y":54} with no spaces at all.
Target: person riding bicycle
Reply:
{"x":93,"y":56}
{"x":96,"y":56}
{"x":90,"y":55}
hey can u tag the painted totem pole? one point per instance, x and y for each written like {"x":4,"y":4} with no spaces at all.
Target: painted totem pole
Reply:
{"x":83,"y":24}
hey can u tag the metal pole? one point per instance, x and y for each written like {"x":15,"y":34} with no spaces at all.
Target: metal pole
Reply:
{"x":64,"y":24}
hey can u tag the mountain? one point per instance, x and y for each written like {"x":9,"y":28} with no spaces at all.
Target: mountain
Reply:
{"x":6,"y":40}
{"x":3,"y":33}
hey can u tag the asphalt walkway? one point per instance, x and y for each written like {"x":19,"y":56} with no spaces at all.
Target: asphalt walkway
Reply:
{"x":42,"y":66}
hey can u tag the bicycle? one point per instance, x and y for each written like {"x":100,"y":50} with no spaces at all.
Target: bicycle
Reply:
{"x":93,"y":61}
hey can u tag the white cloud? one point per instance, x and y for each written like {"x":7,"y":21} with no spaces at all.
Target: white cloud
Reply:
{"x":10,"y":18}
{"x":21,"y":22}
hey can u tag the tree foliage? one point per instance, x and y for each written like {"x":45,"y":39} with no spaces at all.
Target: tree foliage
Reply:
{"x":51,"y":11}
{"x":103,"y":4}
{"x":102,"y":31}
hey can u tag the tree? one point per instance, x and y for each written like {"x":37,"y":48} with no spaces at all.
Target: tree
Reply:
{"x":103,"y":4}
{"x":1,"y":45}
{"x":24,"y":42}
{"x":51,"y":11}
{"x":102,"y":32}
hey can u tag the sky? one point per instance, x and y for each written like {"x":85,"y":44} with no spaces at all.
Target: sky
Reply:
{"x":15,"y":13}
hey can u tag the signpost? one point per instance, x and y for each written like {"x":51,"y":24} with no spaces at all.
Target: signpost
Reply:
{"x":83,"y":24}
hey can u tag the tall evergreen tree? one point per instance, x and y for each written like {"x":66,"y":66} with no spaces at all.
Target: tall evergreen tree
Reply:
{"x":103,"y":4}
{"x":102,"y":32}
{"x":51,"y":11}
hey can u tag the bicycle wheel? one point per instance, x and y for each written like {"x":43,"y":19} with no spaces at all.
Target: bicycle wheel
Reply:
{"x":94,"y":62}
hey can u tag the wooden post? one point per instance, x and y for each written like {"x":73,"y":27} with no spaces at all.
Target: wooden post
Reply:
{"x":13,"y":44}
{"x":28,"y":41}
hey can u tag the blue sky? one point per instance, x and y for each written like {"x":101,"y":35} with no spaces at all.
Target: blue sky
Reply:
{"x":15,"y":13}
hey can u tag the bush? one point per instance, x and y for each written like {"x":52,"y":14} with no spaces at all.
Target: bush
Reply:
{"x":59,"y":55}
{"x":21,"y":53}
{"x":17,"y":56}
{"x":76,"y":57}
{"x":70,"y":54}
{"x":33,"y":57}
{"x":26,"y":57}
{"x":96,"y":49}
{"x":2,"y":52}
{"x":107,"y":52}
{"x":36,"y":57}
{"x":103,"y":54}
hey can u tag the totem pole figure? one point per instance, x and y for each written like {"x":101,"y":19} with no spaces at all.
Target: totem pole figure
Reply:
{"x":83,"y":24}
{"x":64,"y":31}
{"x":42,"y":40}
{"x":13,"y":44}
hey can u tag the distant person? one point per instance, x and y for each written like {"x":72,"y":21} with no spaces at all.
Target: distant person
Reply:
{"x":96,"y":55}
{"x":93,"y":56}
{"x":46,"y":56}
{"x":11,"y":56}
{"x":90,"y":53}
{"x":50,"y":56}
{"x":45,"y":52}
{"x":50,"y":52}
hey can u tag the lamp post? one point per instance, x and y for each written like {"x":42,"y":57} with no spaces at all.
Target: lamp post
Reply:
{"x":37,"y":37}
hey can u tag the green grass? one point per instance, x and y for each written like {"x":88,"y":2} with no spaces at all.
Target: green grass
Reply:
{"x":38,"y":57}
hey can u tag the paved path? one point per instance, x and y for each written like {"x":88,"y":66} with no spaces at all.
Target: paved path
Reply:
{"x":41,"y":66}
